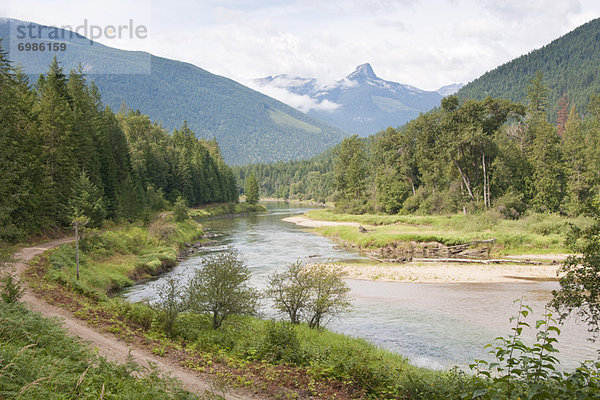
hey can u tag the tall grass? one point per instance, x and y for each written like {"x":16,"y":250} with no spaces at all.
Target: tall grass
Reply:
{"x":115,"y":259}
{"x":39,"y":361}
{"x":225,"y":209}
{"x":534,"y":233}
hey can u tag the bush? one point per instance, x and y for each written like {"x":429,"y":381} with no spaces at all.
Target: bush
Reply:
{"x":511,"y":205}
{"x":280,"y":344}
{"x":10,"y":289}
{"x":180,"y":210}
{"x":314,"y":293}
{"x":220,"y":288}
{"x":520,"y":371}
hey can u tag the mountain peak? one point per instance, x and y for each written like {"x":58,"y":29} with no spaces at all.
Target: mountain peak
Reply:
{"x":363,"y":71}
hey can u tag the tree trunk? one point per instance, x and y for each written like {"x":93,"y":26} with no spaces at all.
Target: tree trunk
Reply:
{"x":465,"y":180}
{"x":77,"y":249}
{"x":485,"y":194}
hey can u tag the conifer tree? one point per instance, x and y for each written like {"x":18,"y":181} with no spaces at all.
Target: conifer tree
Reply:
{"x":251,"y":189}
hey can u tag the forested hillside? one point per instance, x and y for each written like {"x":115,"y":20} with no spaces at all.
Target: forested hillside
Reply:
{"x":465,"y":156}
{"x":64,"y":153}
{"x":310,"y":179}
{"x":249,"y":126}
{"x":569,"y":65}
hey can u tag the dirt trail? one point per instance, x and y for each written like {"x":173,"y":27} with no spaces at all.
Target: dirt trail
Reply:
{"x":109,"y":346}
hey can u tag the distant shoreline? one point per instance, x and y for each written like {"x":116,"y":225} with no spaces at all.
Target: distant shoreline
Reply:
{"x":303,"y":220}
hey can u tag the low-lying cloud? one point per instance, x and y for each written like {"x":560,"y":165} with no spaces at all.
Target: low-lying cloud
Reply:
{"x":303,"y":103}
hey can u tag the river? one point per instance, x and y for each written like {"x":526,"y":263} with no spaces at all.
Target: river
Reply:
{"x":433,"y":325}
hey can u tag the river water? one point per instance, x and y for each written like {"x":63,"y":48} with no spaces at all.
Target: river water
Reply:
{"x":434,"y":325}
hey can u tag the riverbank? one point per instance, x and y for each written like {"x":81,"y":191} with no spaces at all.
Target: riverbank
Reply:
{"x":440,"y":272}
{"x":526,"y":250}
{"x":303,"y":220}
{"x":225,"y":210}
{"x":299,"y":202}
{"x":250,"y":357}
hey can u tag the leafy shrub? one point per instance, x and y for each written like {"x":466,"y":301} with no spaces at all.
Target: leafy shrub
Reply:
{"x":180,"y":210}
{"x":520,"y":371}
{"x":511,"y":205}
{"x":10,"y":289}
{"x":280,"y":344}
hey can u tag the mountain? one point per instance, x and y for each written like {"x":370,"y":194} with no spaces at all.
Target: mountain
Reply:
{"x":450,"y":89}
{"x":569,"y":65}
{"x":249,"y":126}
{"x":360,"y":103}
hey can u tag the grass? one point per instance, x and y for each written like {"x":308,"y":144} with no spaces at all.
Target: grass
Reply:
{"x":112,"y":260}
{"x":532,"y":234}
{"x":276,"y":359}
{"x":39,"y":361}
{"x":225,"y":209}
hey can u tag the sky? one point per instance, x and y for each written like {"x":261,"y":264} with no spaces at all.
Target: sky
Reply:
{"x":423,"y":43}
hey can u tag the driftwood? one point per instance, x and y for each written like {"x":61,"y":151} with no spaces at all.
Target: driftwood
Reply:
{"x":472,"y":261}
{"x":407,"y":251}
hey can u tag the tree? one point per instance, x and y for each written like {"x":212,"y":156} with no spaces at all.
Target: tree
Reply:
{"x":86,"y":201}
{"x":580,"y":285}
{"x":548,"y":172}
{"x":574,"y":147}
{"x":330,"y":294}
{"x":220,"y":288}
{"x":86,"y":209}
{"x":537,"y":93}
{"x":351,"y":170}
{"x":180,"y":210}
{"x":291,"y":290}
{"x":171,"y":302}
{"x":312,"y":293}
{"x":251,"y":189}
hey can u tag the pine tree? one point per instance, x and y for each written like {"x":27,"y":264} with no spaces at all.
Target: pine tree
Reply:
{"x":86,"y":201}
{"x":54,"y":116}
{"x":574,"y":152}
{"x":562,"y":115}
{"x":251,"y":189}
{"x":351,"y":170}
{"x":546,"y":159}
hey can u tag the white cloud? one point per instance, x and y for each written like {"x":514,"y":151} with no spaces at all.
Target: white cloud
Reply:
{"x":303,"y":103}
{"x":424,"y":43}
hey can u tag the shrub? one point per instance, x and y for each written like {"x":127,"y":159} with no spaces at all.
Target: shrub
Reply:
{"x":220,"y":288}
{"x":280,"y":344}
{"x":511,"y":205}
{"x":180,"y":210}
{"x":314,"y":293}
{"x":520,"y":371}
{"x":10,"y":289}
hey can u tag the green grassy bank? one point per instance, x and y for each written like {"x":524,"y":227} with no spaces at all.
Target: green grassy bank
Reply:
{"x":532,"y":234}
{"x":275,"y":360}
{"x":226,"y":209}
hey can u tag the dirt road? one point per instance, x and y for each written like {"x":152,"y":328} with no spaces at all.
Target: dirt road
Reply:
{"x":109,"y":346}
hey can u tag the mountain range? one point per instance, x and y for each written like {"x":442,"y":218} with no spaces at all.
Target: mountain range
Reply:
{"x":360,"y":103}
{"x":249,"y":126}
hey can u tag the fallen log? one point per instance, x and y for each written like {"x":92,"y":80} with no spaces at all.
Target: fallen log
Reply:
{"x":475,"y":261}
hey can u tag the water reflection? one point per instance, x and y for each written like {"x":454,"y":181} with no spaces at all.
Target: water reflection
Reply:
{"x":434,"y":325}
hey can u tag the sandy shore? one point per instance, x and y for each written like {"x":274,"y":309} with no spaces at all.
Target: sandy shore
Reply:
{"x":303,"y":220}
{"x":451,"y":273}
{"x":439,"y":272}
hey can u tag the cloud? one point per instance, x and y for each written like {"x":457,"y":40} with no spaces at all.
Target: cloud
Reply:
{"x":302,"y":103}
{"x":424,"y":43}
